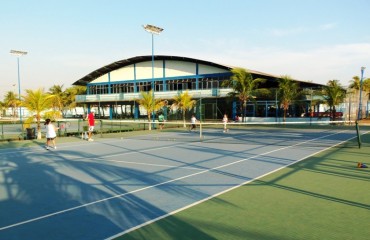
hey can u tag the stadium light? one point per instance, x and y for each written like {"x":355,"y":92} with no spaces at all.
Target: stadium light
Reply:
{"x":19,"y":54}
{"x":152,"y":30}
{"x":359,"y":117}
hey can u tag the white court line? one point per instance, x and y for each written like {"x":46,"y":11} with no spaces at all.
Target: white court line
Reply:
{"x":173,"y":180}
{"x":225,"y":191}
{"x":155,"y":165}
{"x":41,"y":148}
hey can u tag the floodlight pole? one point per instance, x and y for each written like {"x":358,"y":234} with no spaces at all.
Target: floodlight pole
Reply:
{"x":153,"y":30}
{"x":359,"y":117}
{"x":19,"y":54}
{"x":153,"y":115}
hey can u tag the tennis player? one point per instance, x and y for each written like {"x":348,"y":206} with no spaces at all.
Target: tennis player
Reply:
{"x":193,"y":121}
{"x":161,"y":121}
{"x":225,"y":120}
{"x":50,"y":134}
{"x":91,"y":121}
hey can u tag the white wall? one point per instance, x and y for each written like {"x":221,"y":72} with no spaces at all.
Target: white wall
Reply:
{"x":144,"y":71}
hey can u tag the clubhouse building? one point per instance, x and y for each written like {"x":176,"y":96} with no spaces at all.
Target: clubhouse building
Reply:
{"x":112,"y":90}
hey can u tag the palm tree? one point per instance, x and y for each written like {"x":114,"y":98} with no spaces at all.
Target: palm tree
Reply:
{"x":288,"y":91}
{"x":355,"y":83}
{"x":2,"y":105}
{"x":183,"y":102}
{"x":57,"y":99}
{"x":244,"y":86}
{"x":333,"y":94}
{"x":150,"y":104}
{"x":37,"y":101}
{"x":11,"y":100}
{"x":70,"y":96}
{"x":366,"y":86}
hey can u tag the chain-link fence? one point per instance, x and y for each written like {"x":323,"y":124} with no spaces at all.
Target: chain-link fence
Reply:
{"x":67,"y":128}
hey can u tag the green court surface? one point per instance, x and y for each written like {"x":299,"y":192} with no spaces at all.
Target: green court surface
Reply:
{"x":322,"y":197}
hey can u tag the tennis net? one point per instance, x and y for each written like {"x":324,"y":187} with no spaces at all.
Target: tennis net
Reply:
{"x":261,"y":133}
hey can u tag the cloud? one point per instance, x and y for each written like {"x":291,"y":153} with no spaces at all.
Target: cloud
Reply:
{"x":340,"y":62}
{"x":287,"y":32}
{"x":327,"y":26}
{"x":321,"y":64}
{"x":281,"y":32}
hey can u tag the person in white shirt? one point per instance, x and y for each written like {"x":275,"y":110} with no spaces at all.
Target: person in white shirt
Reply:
{"x":50,"y":134}
{"x":225,"y":120}
{"x":193,"y":121}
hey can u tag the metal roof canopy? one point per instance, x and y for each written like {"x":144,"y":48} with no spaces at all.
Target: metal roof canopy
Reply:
{"x":122,"y":63}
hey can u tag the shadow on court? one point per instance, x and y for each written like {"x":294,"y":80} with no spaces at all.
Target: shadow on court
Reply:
{"x":63,"y":194}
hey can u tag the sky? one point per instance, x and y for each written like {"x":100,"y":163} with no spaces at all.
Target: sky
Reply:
{"x":309,"y":40}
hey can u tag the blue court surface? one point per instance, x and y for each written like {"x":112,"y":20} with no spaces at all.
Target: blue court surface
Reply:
{"x":100,"y":189}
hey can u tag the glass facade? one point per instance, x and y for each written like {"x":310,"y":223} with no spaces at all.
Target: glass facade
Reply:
{"x":195,"y":83}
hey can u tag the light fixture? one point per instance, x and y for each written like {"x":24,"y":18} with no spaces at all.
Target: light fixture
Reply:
{"x":359,"y":117}
{"x":152,"y":30}
{"x":18,"y":54}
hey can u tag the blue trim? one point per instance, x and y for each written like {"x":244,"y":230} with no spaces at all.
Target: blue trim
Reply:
{"x":197,"y":78}
{"x":109,"y":84}
{"x":164,"y":76}
{"x":136,"y":111}
{"x":234,"y":109}
{"x":110,"y":111}
{"x":88,"y":89}
{"x":135,"y":78}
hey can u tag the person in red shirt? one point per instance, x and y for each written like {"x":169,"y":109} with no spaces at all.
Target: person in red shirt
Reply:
{"x":91,"y":122}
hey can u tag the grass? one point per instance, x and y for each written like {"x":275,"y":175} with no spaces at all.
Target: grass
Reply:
{"x":322,"y":197}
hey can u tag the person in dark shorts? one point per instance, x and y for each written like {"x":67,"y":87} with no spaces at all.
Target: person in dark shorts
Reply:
{"x":193,"y":121}
{"x":50,"y":134}
{"x":161,"y":121}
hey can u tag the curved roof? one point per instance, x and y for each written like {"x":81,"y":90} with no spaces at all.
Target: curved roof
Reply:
{"x":122,"y":63}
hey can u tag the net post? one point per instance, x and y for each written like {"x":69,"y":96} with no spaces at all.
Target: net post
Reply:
{"x":101,"y":128}
{"x":358,"y":135}
{"x":58,"y":127}
{"x":200,"y":131}
{"x":78,"y":127}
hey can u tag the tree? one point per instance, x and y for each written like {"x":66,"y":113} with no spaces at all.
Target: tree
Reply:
{"x":70,"y":96}
{"x":37,"y":101}
{"x":355,"y":83}
{"x":57,"y":99}
{"x":245,"y":88}
{"x":366,"y":87}
{"x":333,"y":94}
{"x":288,"y":91}
{"x":183,"y":102}
{"x":11,"y":100}
{"x":150,"y":104}
{"x":1,"y":108}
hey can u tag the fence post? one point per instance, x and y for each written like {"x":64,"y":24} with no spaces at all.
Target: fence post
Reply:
{"x":358,"y":135}
{"x":101,"y":128}
{"x":78,"y":127}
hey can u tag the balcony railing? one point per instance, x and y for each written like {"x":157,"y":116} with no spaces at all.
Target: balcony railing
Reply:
{"x":115,"y":97}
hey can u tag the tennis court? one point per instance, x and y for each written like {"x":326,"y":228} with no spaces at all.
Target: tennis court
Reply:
{"x":101,"y":189}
